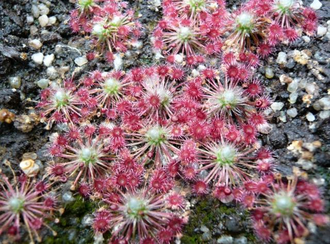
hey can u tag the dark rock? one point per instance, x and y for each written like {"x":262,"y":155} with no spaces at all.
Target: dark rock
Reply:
{"x":277,"y":138}
{"x":322,"y":159}
{"x":9,"y":98}
{"x":233,"y":224}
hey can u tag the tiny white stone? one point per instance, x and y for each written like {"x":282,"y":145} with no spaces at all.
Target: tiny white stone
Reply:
{"x":178,"y":58}
{"x":52,"y":20}
{"x":43,"y":83}
{"x":117,"y":62}
{"x":307,"y":39}
{"x":293,"y":86}
{"x":324,"y":114}
{"x":35,"y":11}
{"x":321,"y":30}
{"x":29,"y":19}
{"x":49,"y":59}
{"x":67,"y":197}
{"x":35,"y":43}
{"x":38,"y":58}
{"x":316,"y":4}
{"x":292,"y":112}
{"x":310,"y":117}
{"x":282,"y":58}
{"x":43,"y":20}
{"x":80,"y":61}
{"x":52,"y":72}
{"x":43,"y":9}
{"x":293,"y":97}
{"x":277,"y":106}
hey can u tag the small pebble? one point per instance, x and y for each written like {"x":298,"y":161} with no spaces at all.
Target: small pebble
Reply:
{"x":311,"y":88}
{"x":204,"y":229}
{"x":87,"y":220}
{"x":35,"y":11}
{"x":282,"y":58}
{"x":300,"y":57}
{"x":15,"y":82}
{"x":80,"y":61}
{"x":67,"y":197}
{"x":292,"y":112}
{"x":33,"y":30}
{"x":269,"y":73}
{"x":43,"y":20}
{"x":52,"y":72}
{"x":293,"y":86}
{"x":316,"y":4}
{"x":51,"y":20}
{"x":38,"y":58}
{"x":35,"y":43}
{"x":322,"y":104}
{"x":293,"y":97}
{"x":49,"y":59}
{"x":284,"y":79}
{"x":277,"y":106}
{"x":206,"y":236}
{"x":29,"y":19}
{"x":225,"y":239}
{"x":43,"y":83}
{"x":241,"y":240}
{"x":307,"y":39}
{"x":44,"y":10}
{"x":310,"y":117}
{"x":321,"y":30}
{"x":324,"y":114}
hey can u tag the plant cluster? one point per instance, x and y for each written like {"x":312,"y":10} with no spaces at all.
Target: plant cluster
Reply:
{"x":131,"y":139}
{"x":111,"y":25}
{"x":205,"y":27}
{"x":25,"y":204}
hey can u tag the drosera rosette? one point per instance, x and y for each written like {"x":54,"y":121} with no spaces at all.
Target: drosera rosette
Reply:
{"x":285,"y":210}
{"x":158,"y":92}
{"x":83,"y":153}
{"x":177,"y":36}
{"x":25,"y":204}
{"x":141,"y":214}
{"x":81,"y":16}
{"x":247,"y":29}
{"x":228,"y":100}
{"x":289,"y":16}
{"x":155,"y":142}
{"x":228,"y":165}
{"x":116,"y":29}
{"x":195,"y":9}
{"x":107,"y":88}
{"x":60,"y":103}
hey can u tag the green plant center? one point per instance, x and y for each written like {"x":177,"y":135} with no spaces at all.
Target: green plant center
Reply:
{"x":156,"y":135}
{"x":228,"y":99}
{"x":284,"y":5}
{"x":185,"y":34}
{"x":195,"y":5}
{"x":112,"y":86}
{"x":164,"y":96}
{"x":85,"y":3}
{"x":283,"y":204}
{"x":245,"y":22}
{"x":61,"y":99}
{"x":225,"y":155}
{"x":16,"y":204}
{"x":88,"y":155}
{"x":136,"y":207}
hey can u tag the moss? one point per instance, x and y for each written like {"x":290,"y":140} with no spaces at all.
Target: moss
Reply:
{"x":69,"y":230}
{"x":210,"y":212}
